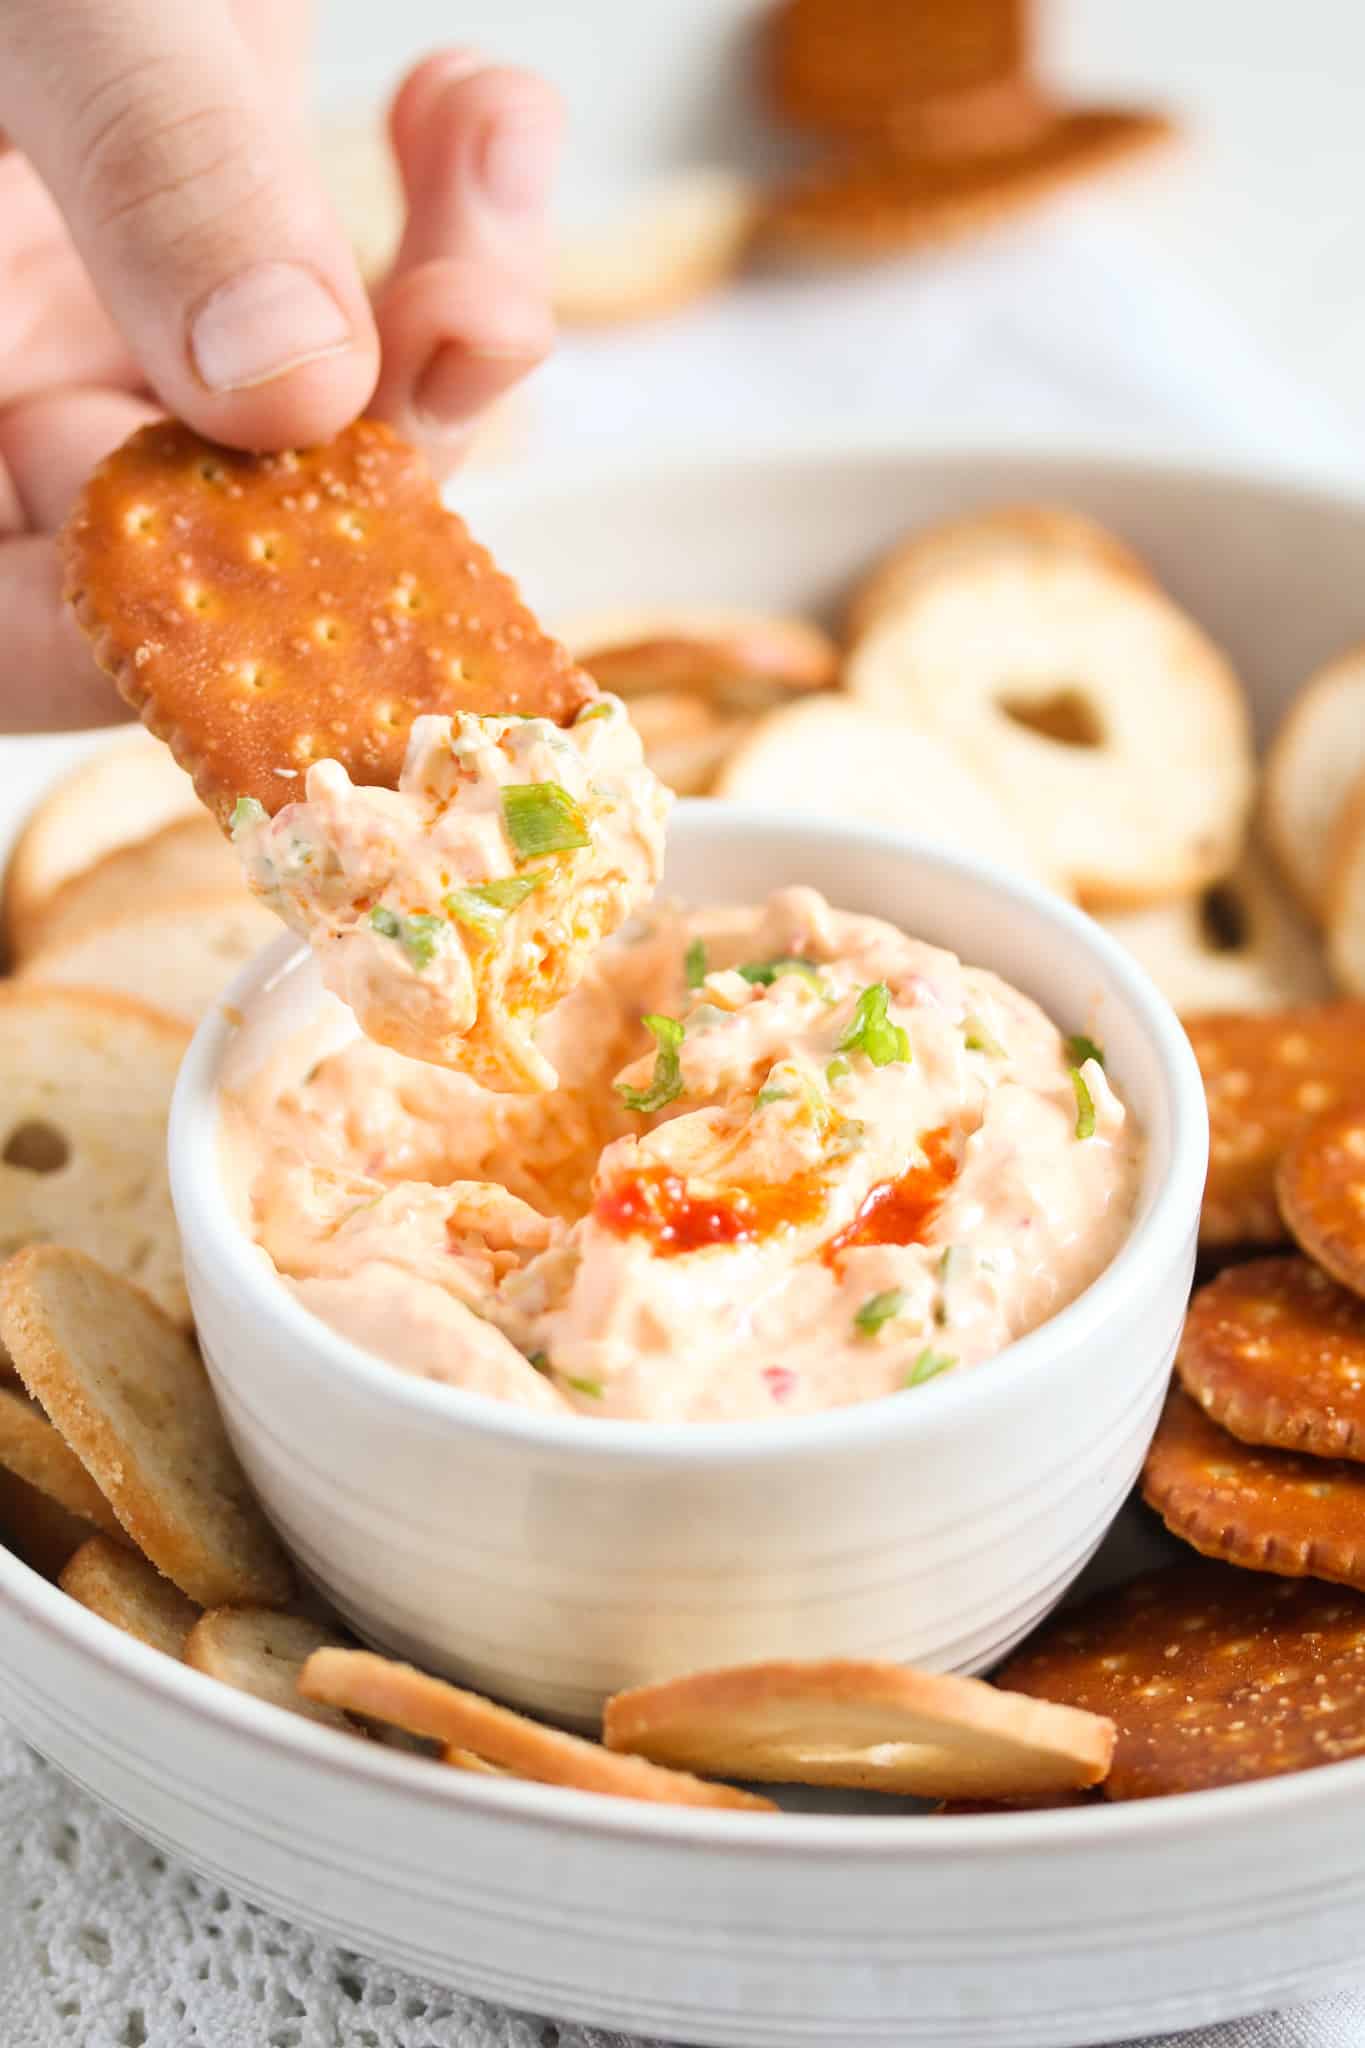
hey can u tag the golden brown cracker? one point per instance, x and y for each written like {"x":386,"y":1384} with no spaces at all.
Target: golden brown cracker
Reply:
{"x":127,"y":1390}
{"x":1267,"y":1076}
{"x":128,"y":1592}
{"x":34,"y":1451}
{"x":742,"y":661}
{"x":854,"y":65}
{"x":1267,"y":1510}
{"x":875,"y":1727}
{"x":39,"y":1529}
{"x":1274,"y":1352}
{"x":188,"y":854}
{"x":263,"y":1652}
{"x":1211,"y":1676}
{"x":178,"y":954}
{"x":262,"y":612}
{"x":359,"y":1682}
{"x":1320,"y":1184}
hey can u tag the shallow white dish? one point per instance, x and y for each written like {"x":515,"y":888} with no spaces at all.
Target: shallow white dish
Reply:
{"x":553,"y":1560}
{"x":1052,"y":1928}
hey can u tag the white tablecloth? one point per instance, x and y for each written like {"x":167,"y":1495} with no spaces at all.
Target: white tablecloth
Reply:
{"x":1070,"y":327}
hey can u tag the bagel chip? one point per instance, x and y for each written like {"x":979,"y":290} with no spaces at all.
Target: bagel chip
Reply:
{"x":263,"y":1652}
{"x":189,"y":855}
{"x":126,"y":1591}
{"x":35,"y":1452}
{"x":178,"y":954}
{"x":1315,"y":760}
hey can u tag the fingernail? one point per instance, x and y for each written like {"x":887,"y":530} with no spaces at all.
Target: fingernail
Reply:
{"x":264,"y":322}
{"x":518,"y":164}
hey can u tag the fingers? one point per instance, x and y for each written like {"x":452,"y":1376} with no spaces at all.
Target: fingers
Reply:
{"x":197,"y":210}
{"x":48,"y":680}
{"x":466,"y":313}
{"x":49,"y":446}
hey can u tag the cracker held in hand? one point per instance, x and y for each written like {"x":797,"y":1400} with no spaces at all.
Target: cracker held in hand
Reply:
{"x":870,"y":1726}
{"x":1266,"y":1078}
{"x":1274,"y":1352}
{"x":130,"y":1594}
{"x":263,"y":1652}
{"x":1266,"y":1510}
{"x":1211,"y":1676}
{"x":262,"y":612}
{"x":128,"y":1392}
{"x":361,"y":1683}
{"x":85,"y":1090}
{"x":1320,"y":1182}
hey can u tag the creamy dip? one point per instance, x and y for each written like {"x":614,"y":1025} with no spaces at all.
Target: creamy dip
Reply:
{"x":796,"y":1159}
{"x":451,"y":912}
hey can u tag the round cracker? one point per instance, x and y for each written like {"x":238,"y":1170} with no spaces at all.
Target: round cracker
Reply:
{"x":260,"y":1651}
{"x":86,"y":1080}
{"x":673,"y":241}
{"x":832,"y":757}
{"x":1267,"y":1510}
{"x":1241,"y":944}
{"x":125,"y":793}
{"x":1315,"y":758}
{"x":188,"y":855}
{"x":1266,"y":1078}
{"x":262,"y":612}
{"x":35,"y":1452}
{"x":359,"y":1682}
{"x":1211,"y":1676}
{"x":124,"y":1590}
{"x":736,"y":660}
{"x":177,"y":954}
{"x":38,"y":1529}
{"x":872,"y":1726}
{"x":1345,"y":897}
{"x":1274,"y":1352}
{"x":1320,"y":1183}
{"x":686,"y":740}
{"x":1097,"y":712}
{"x":127,"y":1390}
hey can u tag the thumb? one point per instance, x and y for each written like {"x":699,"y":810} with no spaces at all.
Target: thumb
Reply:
{"x":196,"y":210}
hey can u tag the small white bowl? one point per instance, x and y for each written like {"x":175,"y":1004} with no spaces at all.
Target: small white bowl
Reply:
{"x":552,"y":1560}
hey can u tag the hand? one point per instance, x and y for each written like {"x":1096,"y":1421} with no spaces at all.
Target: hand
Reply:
{"x":165,"y":244}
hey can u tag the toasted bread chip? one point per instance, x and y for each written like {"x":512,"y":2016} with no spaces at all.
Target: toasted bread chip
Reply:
{"x":686,"y":741}
{"x":672,"y":242}
{"x":124,"y":793}
{"x":178,"y":954}
{"x":187,"y":855}
{"x":739,"y":661}
{"x":361,"y":1683}
{"x":1266,"y":1078}
{"x":1059,"y":675}
{"x":882,"y":202}
{"x":830,"y":756}
{"x":86,"y":1080}
{"x":1046,"y":1802}
{"x":877,"y":1727}
{"x":33,"y":1451}
{"x":1241,"y":944}
{"x":117,"y":1584}
{"x":260,"y":1651}
{"x":39,"y":1529}
{"x":1268,"y":1510}
{"x":1320,"y":1182}
{"x":855,"y":65}
{"x":263,"y":612}
{"x":465,"y":1760}
{"x":1315,"y":759}
{"x":1274,"y":1352}
{"x":128,"y":1392}
{"x":1211,"y":1676}
{"x":1345,"y":898}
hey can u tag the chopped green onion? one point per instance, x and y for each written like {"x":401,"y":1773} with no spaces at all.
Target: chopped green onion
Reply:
{"x":592,"y":1388}
{"x":838,"y":1069}
{"x":927,"y":1366}
{"x":1085,"y":1105}
{"x":872,"y":1030}
{"x":246,"y":812}
{"x":485,"y":904}
{"x":422,"y":934}
{"x":1079,"y":1049}
{"x":601,"y":709}
{"x":541,"y":817}
{"x":667,"y":1083}
{"x":769,"y":1094}
{"x":539,"y":1361}
{"x":385,"y":922}
{"x":879,"y":1309}
{"x":979,"y":1039}
{"x":763,"y":973}
{"x":694,"y":963}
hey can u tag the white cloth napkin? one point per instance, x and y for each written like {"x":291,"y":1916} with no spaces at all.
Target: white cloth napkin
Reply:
{"x":1069,"y":328}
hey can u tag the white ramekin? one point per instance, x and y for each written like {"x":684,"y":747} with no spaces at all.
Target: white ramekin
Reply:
{"x":551,"y":1560}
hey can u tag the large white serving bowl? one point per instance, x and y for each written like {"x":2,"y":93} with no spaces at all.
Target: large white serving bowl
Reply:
{"x":555,"y":1559}
{"x":754,"y":1931}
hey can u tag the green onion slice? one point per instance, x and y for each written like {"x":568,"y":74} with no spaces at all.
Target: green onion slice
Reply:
{"x":928,"y":1365}
{"x":872,"y":1030}
{"x":1079,"y":1049}
{"x":485,"y":904}
{"x":246,"y":812}
{"x":667,"y":1083}
{"x":694,"y":963}
{"x":879,"y":1309}
{"x":979,"y":1039}
{"x":1085,"y":1105}
{"x":592,"y":1388}
{"x":838,"y":1069}
{"x":386,"y":922}
{"x":763,"y":973}
{"x":541,"y":817}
